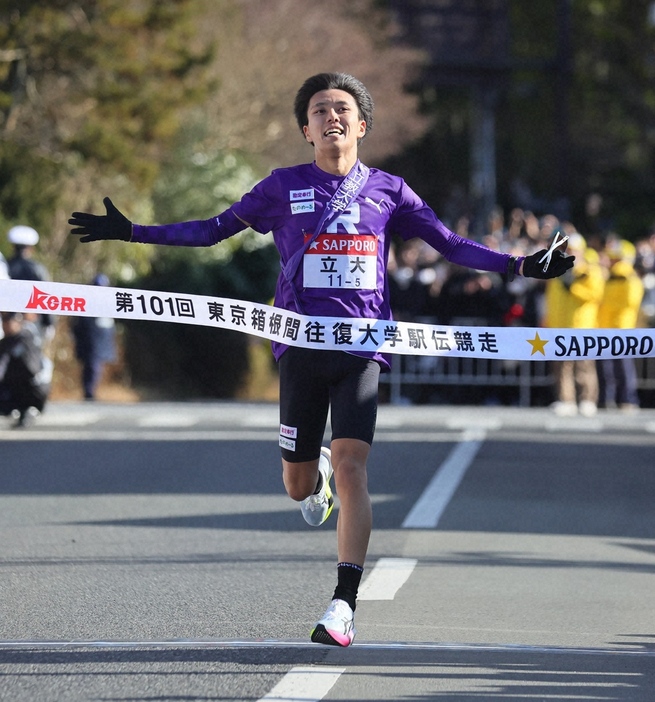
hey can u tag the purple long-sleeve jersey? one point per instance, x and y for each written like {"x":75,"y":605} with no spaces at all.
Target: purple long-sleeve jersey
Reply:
{"x":343,"y":272}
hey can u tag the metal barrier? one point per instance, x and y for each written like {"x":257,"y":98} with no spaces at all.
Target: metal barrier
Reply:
{"x":523,"y":375}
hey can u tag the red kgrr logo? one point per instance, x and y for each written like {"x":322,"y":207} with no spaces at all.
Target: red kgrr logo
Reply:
{"x":51,"y":303}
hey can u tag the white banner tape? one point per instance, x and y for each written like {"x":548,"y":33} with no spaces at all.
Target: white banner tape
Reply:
{"x":332,"y":333}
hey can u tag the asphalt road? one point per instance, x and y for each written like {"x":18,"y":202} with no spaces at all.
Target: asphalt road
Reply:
{"x":148,"y":552}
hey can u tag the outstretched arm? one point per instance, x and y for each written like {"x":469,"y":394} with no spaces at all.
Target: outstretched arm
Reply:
{"x":465,"y":252}
{"x":115,"y":225}
{"x":416,"y":218}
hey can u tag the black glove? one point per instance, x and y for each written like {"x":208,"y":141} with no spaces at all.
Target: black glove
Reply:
{"x":559,"y":264}
{"x":113,"y":225}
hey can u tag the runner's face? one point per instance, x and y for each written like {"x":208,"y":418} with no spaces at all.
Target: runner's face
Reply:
{"x":333,"y":120}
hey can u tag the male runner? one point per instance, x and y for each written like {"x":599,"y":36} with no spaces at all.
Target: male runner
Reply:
{"x":332,"y":222}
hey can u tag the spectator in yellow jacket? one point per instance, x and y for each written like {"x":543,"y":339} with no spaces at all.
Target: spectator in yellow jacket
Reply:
{"x":571,"y":302}
{"x":619,"y":309}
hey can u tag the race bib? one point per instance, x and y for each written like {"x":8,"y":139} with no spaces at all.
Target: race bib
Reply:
{"x":341,"y":261}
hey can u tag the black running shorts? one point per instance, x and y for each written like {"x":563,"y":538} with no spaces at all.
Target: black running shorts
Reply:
{"x":311,"y":381}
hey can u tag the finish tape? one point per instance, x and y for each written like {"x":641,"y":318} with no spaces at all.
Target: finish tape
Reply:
{"x":330,"y":333}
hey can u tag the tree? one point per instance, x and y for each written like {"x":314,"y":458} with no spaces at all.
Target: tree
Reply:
{"x":613,"y":109}
{"x":91,"y":94}
{"x":575,"y":116}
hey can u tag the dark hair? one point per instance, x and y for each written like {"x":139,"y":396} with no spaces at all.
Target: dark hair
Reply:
{"x":334,"y":81}
{"x":6,"y":316}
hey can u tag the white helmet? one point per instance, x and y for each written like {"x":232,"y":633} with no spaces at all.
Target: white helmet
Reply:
{"x":23,"y":236}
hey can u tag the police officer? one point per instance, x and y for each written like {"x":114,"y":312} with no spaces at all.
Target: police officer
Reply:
{"x":22,"y":266}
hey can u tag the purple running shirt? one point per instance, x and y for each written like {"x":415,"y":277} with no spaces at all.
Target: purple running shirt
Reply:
{"x":343,"y":272}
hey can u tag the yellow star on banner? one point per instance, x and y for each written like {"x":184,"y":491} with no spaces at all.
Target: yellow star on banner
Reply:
{"x":538,"y":344}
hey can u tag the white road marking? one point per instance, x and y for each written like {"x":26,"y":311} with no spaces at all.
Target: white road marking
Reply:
{"x":266,"y":418}
{"x":463,"y":423}
{"x":574,"y":424}
{"x":140,"y":435}
{"x":168,"y":420}
{"x":162,"y":434}
{"x":75,"y":419}
{"x":386,"y":578}
{"x":40,"y":645}
{"x":427,"y":511}
{"x":386,"y":422}
{"x":422,"y":437}
{"x":304,"y":684}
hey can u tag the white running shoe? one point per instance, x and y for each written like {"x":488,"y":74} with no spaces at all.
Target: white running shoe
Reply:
{"x":564,"y":409}
{"x":588,"y":408}
{"x":337,"y":627}
{"x":317,"y":508}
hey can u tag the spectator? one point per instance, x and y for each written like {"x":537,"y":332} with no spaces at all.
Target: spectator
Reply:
{"x":496,"y":233}
{"x":572,"y":303}
{"x":645,"y":268}
{"x":619,"y":309}
{"x":471,"y":298}
{"x":4,"y":269}
{"x":22,"y":266}
{"x":94,"y":345}
{"x":525,"y":295}
{"x":407,"y":293}
{"x":24,"y":372}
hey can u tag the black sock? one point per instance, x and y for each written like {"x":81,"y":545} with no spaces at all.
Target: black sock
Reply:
{"x":348,"y":578}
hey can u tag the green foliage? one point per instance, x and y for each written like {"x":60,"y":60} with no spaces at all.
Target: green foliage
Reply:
{"x":113,"y":77}
{"x":199,"y":178}
{"x":91,"y":94}
{"x":613,"y":107}
{"x":574,"y":116}
{"x":28,"y":194}
{"x":580,"y":123}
